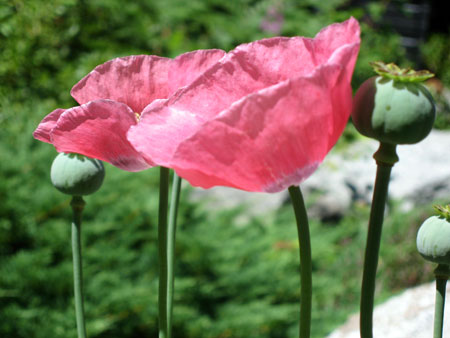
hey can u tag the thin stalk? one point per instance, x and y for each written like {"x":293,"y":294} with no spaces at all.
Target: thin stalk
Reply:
{"x":171,"y":234}
{"x":304,"y":241}
{"x":442,"y":272}
{"x":77,"y":205}
{"x":385,"y":157}
{"x":162,"y":250}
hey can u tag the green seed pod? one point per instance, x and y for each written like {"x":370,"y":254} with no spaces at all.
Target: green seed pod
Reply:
{"x":433,"y":239}
{"x":77,"y":175}
{"x":394,"y":108}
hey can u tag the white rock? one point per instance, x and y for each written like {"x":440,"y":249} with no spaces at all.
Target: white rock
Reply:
{"x":421,"y":164}
{"x":421,"y":176}
{"x":255,"y":204}
{"x":408,"y":315}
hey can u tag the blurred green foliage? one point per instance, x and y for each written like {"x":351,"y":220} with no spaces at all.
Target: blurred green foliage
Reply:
{"x":48,"y":46}
{"x":233,"y":280}
{"x":436,"y":53}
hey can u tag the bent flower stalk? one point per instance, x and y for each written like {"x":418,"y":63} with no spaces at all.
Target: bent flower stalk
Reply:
{"x":77,"y":175}
{"x":393,"y":108}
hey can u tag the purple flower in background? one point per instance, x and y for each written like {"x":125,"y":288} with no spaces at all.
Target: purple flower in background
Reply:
{"x":273,"y":21}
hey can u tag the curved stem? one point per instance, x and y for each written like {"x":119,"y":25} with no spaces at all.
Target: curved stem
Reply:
{"x":385,"y":157}
{"x":171,"y":234}
{"x":442,"y":272}
{"x":162,"y":250}
{"x":301,"y":218}
{"x":77,"y":205}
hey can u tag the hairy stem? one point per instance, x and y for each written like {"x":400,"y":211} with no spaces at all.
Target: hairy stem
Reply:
{"x":162,"y":251}
{"x":385,"y":158}
{"x":442,"y":273}
{"x":301,"y":218}
{"x":171,"y":234}
{"x":77,"y":205}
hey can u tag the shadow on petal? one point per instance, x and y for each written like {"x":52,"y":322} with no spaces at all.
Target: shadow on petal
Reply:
{"x":98,"y":129}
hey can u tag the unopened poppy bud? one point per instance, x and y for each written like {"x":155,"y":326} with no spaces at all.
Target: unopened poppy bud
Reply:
{"x":77,"y":175}
{"x":394,"y":107}
{"x":433,"y":238}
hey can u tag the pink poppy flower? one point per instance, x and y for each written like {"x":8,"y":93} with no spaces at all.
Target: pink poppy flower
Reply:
{"x":111,"y":99}
{"x":262,"y":118}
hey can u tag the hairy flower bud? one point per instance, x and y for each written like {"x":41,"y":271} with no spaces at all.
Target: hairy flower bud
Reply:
{"x":77,"y":175}
{"x":433,"y":239}
{"x":394,"y":108}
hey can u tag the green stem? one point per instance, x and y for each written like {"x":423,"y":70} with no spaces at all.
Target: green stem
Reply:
{"x":442,"y":273}
{"x":77,"y":205}
{"x":385,"y":158}
{"x":162,"y":250}
{"x":171,"y":233}
{"x":301,"y":218}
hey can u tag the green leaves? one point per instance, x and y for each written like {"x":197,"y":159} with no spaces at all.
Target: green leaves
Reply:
{"x":443,"y":211}
{"x":394,"y":72}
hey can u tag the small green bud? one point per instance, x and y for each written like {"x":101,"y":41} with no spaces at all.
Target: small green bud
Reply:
{"x":394,"y":108}
{"x":77,"y":175}
{"x":433,"y":239}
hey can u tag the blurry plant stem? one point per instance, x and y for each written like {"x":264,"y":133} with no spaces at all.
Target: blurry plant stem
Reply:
{"x":166,"y":246}
{"x":77,"y":205}
{"x":301,"y":218}
{"x":162,"y":251}
{"x":171,"y":234}
{"x":385,"y":158}
{"x":442,"y":273}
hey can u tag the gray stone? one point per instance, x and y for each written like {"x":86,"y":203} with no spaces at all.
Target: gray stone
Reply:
{"x":421,"y":176}
{"x":408,"y":315}
{"x":252,"y":204}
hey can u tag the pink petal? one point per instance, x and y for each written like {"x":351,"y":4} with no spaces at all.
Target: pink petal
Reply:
{"x":227,"y":81}
{"x":260,"y":119}
{"x":188,"y":66}
{"x":270,"y":140}
{"x":134,"y":80}
{"x":162,"y":129}
{"x":98,"y":129}
{"x":43,"y":131}
{"x":241,"y":72}
{"x":331,"y":38}
{"x":257,"y":65}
